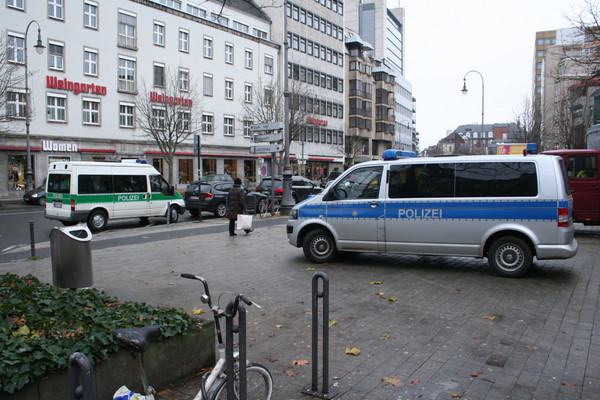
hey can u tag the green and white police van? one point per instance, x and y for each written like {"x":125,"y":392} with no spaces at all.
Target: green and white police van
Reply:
{"x":96,"y":192}
{"x":509,"y":209}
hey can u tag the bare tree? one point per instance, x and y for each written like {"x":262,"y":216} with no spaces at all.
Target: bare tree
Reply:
{"x":267,"y":105}
{"x":169,"y":115}
{"x":527,"y":129}
{"x":587,"y":53}
{"x":10,"y":79}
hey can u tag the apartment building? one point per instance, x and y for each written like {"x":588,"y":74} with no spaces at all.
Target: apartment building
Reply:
{"x":103,"y":59}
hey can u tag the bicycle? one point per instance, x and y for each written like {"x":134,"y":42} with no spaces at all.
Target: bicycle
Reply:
{"x":269,"y":207}
{"x":213,"y":386}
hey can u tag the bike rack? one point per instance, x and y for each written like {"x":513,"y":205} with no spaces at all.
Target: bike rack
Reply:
{"x":316,"y":294}
{"x":81,"y":379}
{"x":240,"y":329}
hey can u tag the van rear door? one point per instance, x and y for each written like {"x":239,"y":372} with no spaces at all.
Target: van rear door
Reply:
{"x":582,"y":171}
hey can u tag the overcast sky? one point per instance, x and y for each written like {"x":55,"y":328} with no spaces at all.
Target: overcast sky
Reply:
{"x":445,"y":39}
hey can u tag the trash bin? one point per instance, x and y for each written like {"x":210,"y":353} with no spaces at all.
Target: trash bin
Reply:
{"x":71,"y":256}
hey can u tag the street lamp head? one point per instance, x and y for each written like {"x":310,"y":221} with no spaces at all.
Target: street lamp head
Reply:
{"x":464,"y":89}
{"x":39,"y":47}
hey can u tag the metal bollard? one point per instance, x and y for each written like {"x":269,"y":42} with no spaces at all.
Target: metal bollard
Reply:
{"x":169,"y":213}
{"x":316,"y":294}
{"x":240,"y":329}
{"x":31,"y":239}
{"x":81,"y":380}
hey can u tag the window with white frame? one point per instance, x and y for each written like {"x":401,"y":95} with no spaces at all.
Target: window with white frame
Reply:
{"x":248,"y":92}
{"x":90,"y":14}
{"x":269,"y":65}
{"x":184,"y":40}
{"x":127,"y":82}
{"x":55,"y":9}
{"x":207,"y":124}
{"x":159,"y":75}
{"x":184,"y":120}
{"x":228,"y":53}
{"x":56,"y":108}
{"x":56,"y":56}
{"x":91,"y":111}
{"x":18,"y":4}
{"x":158,"y":117}
{"x":184,"y":79}
{"x":259,"y":33}
{"x":248,"y":61}
{"x":208,"y":49}
{"x":126,"y":115}
{"x":158,"y":34}
{"x":247,"y":124}
{"x":228,"y":125}
{"x":16,"y":48}
{"x":16,"y":105}
{"x":240,"y":26}
{"x":208,"y":85}
{"x":90,"y":62}
{"x":229,"y":89}
{"x":127,"y":30}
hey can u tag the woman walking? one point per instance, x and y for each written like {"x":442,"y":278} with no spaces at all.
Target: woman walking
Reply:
{"x":236,"y":204}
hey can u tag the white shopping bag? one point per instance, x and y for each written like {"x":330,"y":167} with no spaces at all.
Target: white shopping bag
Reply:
{"x":244,"y":222}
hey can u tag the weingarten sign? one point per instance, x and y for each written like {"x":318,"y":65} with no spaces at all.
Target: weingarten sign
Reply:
{"x":75,"y":87}
{"x":171,"y":100}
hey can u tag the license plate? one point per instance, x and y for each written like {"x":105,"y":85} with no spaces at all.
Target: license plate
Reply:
{"x":57,"y":204}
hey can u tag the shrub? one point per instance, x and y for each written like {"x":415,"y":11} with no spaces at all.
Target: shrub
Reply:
{"x":42,"y":325}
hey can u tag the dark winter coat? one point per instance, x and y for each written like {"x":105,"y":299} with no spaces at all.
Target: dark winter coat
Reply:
{"x":236,"y":201}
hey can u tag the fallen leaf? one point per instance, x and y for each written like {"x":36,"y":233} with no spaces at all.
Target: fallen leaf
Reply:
{"x":456,"y":395}
{"x":475,"y":374}
{"x":333,"y":322}
{"x":532,"y":347}
{"x":569,"y":384}
{"x":310,"y":269}
{"x":491,"y":318}
{"x":393,"y":380}
{"x":376,"y":283}
{"x":252,"y":339}
{"x":391,"y":299}
{"x":278,"y":326}
{"x":385,"y":336}
{"x":457,"y":290}
{"x":353,"y":351}
{"x":380,"y":294}
{"x":198,"y":311}
{"x":290,"y":372}
{"x":415,"y":382}
{"x":301,"y":362}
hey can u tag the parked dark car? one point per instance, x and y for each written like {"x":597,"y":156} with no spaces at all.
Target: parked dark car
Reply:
{"x":330,"y":178}
{"x":36,"y":196}
{"x":301,"y":187}
{"x":212,"y":197}
{"x":216,"y":178}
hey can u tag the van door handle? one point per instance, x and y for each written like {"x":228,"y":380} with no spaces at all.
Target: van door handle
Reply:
{"x":374,"y":204}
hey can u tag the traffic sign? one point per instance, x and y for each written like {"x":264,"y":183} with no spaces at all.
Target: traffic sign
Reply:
{"x":274,"y":137}
{"x":271,"y":126}
{"x":273,"y":148}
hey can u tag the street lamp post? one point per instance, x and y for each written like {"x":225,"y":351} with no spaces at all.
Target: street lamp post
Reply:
{"x":287,"y":202}
{"x":39,"y":48}
{"x":464,"y":92}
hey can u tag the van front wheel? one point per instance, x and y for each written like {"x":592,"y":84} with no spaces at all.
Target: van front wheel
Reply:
{"x":510,"y":256}
{"x":97,"y":221}
{"x":319,"y":246}
{"x":173,"y":214}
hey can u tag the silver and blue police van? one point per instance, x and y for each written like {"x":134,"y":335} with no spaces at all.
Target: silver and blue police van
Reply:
{"x":507,"y":208}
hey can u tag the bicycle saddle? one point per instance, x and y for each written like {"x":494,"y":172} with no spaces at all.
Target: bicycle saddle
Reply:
{"x":136,"y":339}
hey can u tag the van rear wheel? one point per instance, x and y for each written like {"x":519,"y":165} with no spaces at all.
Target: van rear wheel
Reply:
{"x":319,"y":246}
{"x":510,"y":256}
{"x":97,"y":221}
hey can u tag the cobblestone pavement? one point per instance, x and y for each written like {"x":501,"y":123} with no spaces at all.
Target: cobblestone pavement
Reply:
{"x":426,"y":327}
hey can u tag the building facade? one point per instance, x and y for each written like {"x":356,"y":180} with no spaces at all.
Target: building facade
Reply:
{"x":103,"y":59}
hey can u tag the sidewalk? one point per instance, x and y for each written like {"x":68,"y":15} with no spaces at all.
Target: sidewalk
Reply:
{"x":425,"y":327}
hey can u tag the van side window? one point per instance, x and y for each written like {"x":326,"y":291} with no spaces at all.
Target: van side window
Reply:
{"x":362,"y":183}
{"x":443,"y":180}
{"x":582,"y":167}
{"x":59,"y":183}
{"x":158,"y":184}
{"x":130,"y":183}
{"x":90,"y":184}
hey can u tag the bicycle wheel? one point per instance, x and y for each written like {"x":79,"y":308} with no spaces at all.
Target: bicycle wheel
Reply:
{"x":262,"y":208}
{"x":259,"y":384}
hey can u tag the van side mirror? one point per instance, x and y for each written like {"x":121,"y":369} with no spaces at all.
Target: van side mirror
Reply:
{"x":170,"y":191}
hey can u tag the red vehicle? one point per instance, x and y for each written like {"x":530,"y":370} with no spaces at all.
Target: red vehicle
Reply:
{"x":582,"y":171}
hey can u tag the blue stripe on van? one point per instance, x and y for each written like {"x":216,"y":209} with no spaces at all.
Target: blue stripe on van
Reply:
{"x":442,"y":210}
